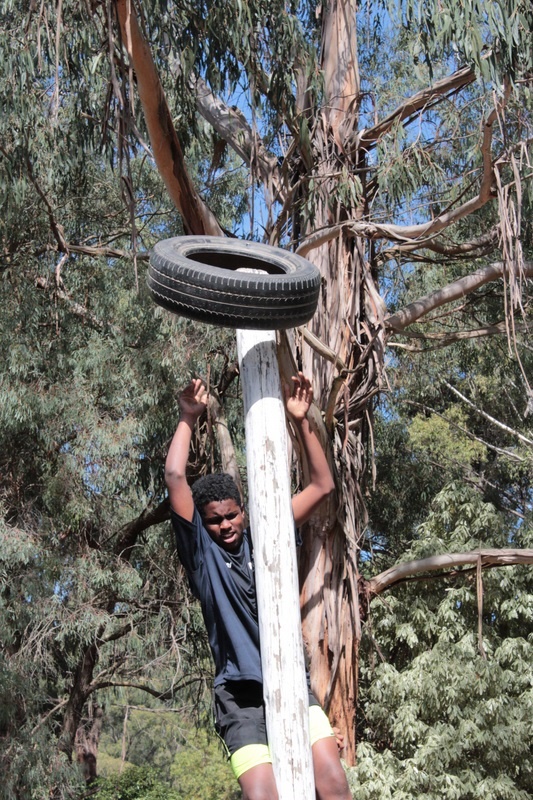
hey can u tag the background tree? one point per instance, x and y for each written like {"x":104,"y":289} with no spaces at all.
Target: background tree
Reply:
{"x":91,"y":598}
{"x":446,"y":681}
{"x":392,"y":152}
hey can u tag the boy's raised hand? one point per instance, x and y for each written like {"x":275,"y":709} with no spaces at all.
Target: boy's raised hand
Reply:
{"x":193,"y":399}
{"x":299,"y":400}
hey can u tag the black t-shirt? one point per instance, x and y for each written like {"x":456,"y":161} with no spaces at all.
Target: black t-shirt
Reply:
{"x":225,"y":585}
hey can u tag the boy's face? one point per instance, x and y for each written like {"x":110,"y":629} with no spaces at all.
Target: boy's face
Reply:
{"x":224,"y":522}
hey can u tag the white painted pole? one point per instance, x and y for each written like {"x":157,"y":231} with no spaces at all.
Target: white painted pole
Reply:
{"x":273,"y":536}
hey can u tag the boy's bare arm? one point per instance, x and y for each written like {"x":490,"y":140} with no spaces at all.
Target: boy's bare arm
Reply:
{"x":321,"y":482}
{"x":193,"y":402}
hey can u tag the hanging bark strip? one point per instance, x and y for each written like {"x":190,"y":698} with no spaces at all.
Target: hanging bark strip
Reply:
{"x":167,"y":150}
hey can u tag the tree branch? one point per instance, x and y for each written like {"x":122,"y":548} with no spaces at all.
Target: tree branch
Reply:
{"x":448,"y":562}
{"x":453,"y":291}
{"x":488,"y":417}
{"x":129,"y":533}
{"x":75,"y":308}
{"x":422,"y":233}
{"x":418,"y":102}
{"x":500,"y":450}
{"x":409,"y":237}
{"x":480,"y":246}
{"x":104,"y":251}
{"x":446,"y":339}
{"x":55,"y":227}
{"x":232,"y":126}
{"x":168,"y":694}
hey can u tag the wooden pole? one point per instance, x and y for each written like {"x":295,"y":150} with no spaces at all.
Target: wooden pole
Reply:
{"x":273,"y":536}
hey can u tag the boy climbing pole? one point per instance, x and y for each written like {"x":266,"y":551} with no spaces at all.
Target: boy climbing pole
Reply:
{"x":215,"y":549}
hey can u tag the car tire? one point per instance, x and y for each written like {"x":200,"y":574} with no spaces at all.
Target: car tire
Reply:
{"x":198,"y":277}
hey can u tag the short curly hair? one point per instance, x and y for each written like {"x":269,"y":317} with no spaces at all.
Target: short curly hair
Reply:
{"x":220,"y":486}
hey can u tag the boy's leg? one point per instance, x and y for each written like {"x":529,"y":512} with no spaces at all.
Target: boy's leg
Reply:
{"x":240,"y":721}
{"x":330,"y":779}
{"x":258,"y":783}
{"x":252,"y":766}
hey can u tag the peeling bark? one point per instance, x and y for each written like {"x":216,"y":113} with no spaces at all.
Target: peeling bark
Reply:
{"x":167,"y":150}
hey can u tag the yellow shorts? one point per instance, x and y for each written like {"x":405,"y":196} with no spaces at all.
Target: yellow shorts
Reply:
{"x":251,"y":755}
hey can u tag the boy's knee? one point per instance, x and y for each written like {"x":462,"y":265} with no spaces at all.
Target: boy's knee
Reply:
{"x":330,"y":778}
{"x":258,"y":783}
{"x":336,"y":788}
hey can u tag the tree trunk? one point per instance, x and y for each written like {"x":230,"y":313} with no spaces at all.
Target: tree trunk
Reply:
{"x":87,"y":741}
{"x":349,"y":323}
{"x":77,"y":698}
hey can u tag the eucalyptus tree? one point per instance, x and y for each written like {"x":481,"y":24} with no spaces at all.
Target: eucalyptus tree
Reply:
{"x":390,"y":146}
{"x":373,"y":134}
